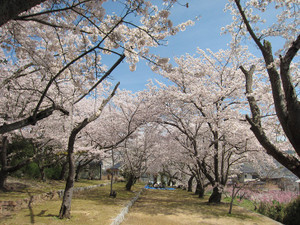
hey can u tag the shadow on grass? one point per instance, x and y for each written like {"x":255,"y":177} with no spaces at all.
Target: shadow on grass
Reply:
{"x":154,"y":202}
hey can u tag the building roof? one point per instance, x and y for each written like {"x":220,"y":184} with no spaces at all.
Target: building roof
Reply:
{"x":247,"y":168}
{"x":115,"y":167}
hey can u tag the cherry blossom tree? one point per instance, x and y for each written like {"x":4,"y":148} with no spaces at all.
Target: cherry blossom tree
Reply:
{"x":206,"y":106}
{"x":54,"y":53}
{"x":137,"y":153}
{"x":65,"y":211}
{"x":250,"y":20}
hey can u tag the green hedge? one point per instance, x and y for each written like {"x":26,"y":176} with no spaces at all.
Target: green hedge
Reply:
{"x":288,"y":214}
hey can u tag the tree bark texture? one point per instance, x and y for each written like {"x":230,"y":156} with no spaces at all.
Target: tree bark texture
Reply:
{"x":78,"y":169}
{"x":130,"y":182}
{"x":199,"y":189}
{"x":190,"y":184}
{"x":10,"y":9}
{"x":31,"y":120}
{"x":216,"y":195}
{"x":3,"y":172}
{"x":287,"y":105}
{"x":289,"y":161}
{"x":65,"y":210}
{"x":63,"y":170}
{"x":5,"y":168}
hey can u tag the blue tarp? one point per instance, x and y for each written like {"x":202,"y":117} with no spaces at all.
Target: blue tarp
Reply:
{"x":147,"y":187}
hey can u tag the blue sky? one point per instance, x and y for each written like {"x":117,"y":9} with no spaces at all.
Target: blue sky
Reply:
{"x":204,"y":34}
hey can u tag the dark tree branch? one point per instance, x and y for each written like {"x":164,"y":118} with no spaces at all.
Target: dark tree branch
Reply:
{"x":10,"y":9}
{"x":290,"y":162}
{"x":5,"y":128}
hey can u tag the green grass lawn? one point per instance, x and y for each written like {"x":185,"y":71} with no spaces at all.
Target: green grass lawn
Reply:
{"x":245,"y":203}
{"x":157,"y":207}
{"x":21,"y":187}
{"x":88,"y":207}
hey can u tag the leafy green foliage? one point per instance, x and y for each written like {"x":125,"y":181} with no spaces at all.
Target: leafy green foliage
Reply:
{"x":292,"y":213}
{"x":53,"y":172}
{"x":20,"y":149}
{"x":274,"y":210}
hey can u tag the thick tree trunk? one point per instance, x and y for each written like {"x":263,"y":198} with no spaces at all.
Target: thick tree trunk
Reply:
{"x":215,"y":196}
{"x":201,"y":193}
{"x":190,"y":184}
{"x":200,"y":190}
{"x":65,"y":210}
{"x":10,"y":9}
{"x":130,"y":182}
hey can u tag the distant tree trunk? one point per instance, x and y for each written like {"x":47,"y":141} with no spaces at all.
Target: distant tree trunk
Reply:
{"x":3,"y":172}
{"x":154,"y":179}
{"x":42,"y":172}
{"x":5,"y":169}
{"x":216,"y":195}
{"x":201,"y":192}
{"x":130,"y":182}
{"x":112,"y":173}
{"x":43,"y":176}
{"x":199,"y":189}
{"x":78,"y":169}
{"x":190,"y":184}
{"x":3,"y":177}
{"x":63,"y":171}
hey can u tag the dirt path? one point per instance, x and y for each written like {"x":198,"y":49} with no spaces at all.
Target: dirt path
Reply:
{"x":157,"y":207}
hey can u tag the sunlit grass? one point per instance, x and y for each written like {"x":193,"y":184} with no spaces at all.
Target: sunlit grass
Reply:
{"x":23,"y":187}
{"x":154,"y":207}
{"x":180,"y":207}
{"x":88,"y":207}
{"x":245,"y":203}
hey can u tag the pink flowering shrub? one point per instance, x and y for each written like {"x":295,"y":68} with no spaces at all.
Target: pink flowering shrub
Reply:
{"x":271,"y":196}
{"x":274,"y":204}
